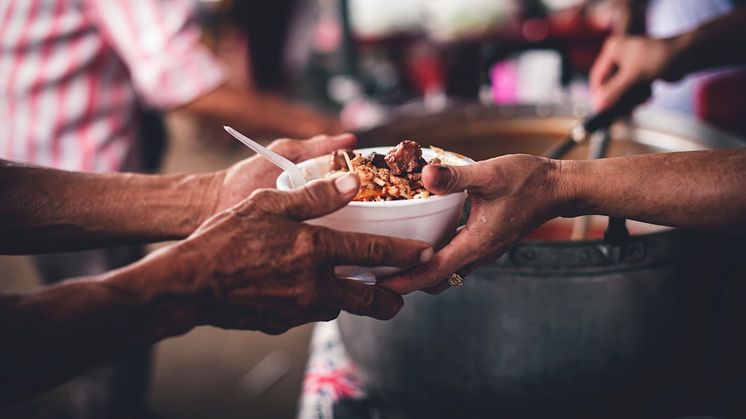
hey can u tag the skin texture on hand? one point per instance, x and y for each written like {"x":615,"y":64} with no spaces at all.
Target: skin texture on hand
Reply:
{"x":240,"y":180}
{"x":254,"y":266}
{"x":46,"y":210}
{"x":284,"y":275}
{"x":512,"y":195}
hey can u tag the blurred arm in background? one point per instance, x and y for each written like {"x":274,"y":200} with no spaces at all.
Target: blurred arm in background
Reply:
{"x":160,"y":44}
{"x":261,"y":113}
{"x":255,"y":266}
{"x":630,"y":61}
{"x":514,"y":194}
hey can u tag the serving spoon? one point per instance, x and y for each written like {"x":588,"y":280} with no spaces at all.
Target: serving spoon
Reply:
{"x":296,"y":175}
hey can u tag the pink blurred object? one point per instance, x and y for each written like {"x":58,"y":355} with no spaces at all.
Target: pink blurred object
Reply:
{"x":720,"y":101}
{"x":425,"y":68}
{"x":504,"y":78}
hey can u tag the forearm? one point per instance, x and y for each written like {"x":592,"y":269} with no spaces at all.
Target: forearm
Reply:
{"x":716,"y":43}
{"x":699,"y":190}
{"x":59,"y":332}
{"x":46,"y":210}
{"x":259,"y":113}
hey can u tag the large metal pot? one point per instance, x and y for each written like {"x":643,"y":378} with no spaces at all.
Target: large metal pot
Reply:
{"x":557,"y":328}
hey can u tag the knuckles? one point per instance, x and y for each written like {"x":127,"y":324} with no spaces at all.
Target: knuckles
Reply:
{"x":310,"y":243}
{"x":377,"y":250}
{"x":264,"y":200}
{"x":284,"y":146}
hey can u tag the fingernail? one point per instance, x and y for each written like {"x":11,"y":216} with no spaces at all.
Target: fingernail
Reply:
{"x":426,"y":255}
{"x":346,"y":184}
{"x":441,"y":177}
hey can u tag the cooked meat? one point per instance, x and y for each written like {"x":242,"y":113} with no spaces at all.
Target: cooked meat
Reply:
{"x":406,"y":157}
{"x":378,"y":160}
{"x":378,"y":181}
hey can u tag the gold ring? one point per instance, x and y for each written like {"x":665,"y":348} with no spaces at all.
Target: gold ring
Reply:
{"x":455,"y":280}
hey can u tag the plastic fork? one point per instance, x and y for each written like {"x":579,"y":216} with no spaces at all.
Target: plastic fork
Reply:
{"x":296,"y":175}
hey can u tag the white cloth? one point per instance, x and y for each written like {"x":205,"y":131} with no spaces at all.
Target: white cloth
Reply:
{"x":668,"y":18}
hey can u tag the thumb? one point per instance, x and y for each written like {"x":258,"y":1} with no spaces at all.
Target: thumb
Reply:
{"x":316,"y":199}
{"x":608,"y":94}
{"x":449,"y":179}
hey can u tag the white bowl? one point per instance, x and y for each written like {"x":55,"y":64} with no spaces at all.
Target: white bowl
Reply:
{"x":432,"y":220}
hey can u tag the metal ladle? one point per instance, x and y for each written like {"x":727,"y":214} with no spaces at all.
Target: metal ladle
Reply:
{"x":616,"y":232}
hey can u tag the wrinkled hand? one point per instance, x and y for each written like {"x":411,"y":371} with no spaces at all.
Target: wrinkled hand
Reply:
{"x":632,"y":61}
{"x":258,"y":266}
{"x":243,"y":178}
{"x":511,"y":195}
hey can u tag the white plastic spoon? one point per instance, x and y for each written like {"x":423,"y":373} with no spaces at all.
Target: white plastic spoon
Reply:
{"x":296,"y":175}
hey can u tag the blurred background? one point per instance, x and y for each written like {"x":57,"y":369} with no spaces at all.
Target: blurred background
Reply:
{"x":366,"y":61}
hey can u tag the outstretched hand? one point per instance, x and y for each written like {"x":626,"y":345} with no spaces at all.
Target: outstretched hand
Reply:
{"x":510,"y":195}
{"x":258,"y":266}
{"x":632,"y":62}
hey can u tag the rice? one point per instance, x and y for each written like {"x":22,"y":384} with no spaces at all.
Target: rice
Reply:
{"x":396,"y":176}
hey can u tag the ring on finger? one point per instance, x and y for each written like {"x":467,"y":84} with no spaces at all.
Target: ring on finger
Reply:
{"x":455,"y":280}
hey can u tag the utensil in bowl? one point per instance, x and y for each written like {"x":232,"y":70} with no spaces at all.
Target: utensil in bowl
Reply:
{"x":601,"y":120}
{"x":296,"y":175}
{"x":432,"y":220}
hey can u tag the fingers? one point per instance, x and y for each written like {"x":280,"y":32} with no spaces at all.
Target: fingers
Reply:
{"x":365,"y":300}
{"x":448,"y":179}
{"x":344,"y":248}
{"x":444,"y":285}
{"x":314,"y":200}
{"x":462,"y":250}
{"x":608,"y":94}
{"x":300,"y":150}
{"x":604,"y":64}
{"x":618,"y":71}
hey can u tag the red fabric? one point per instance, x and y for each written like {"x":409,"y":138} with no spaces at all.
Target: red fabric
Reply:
{"x":721,"y":102}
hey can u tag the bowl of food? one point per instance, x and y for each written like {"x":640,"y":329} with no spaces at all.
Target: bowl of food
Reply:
{"x":392,"y":200}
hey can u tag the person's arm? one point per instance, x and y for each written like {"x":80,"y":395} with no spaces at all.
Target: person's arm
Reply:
{"x":256,"y":266}
{"x":46,"y":210}
{"x":160,"y":43}
{"x":699,"y":190}
{"x":259,"y":113}
{"x":627,"y":62}
{"x":512,"y":195}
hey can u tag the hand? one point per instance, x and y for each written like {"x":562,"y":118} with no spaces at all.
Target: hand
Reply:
{"x":258,"y":266}
{"x":256,"y":172}
{"x":631,"y":61}
{"x":511,"y":195}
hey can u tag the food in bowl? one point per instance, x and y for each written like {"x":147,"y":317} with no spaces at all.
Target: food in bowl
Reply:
{"x":395,"y":176}
{"x":432,"y":220}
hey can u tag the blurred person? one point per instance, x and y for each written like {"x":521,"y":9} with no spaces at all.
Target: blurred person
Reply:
{"x":690,"y":56}
{"x":73,"y":74}
{"x":625,"y":62}
{"x":242,"y":264}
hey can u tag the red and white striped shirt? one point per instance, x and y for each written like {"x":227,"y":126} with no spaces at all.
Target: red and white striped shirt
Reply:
{"x":72,"y":73}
